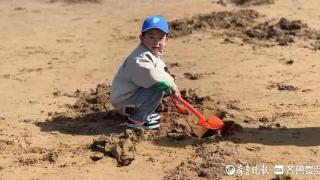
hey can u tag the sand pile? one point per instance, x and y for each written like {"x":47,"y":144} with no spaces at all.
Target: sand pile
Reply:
{"x":245,"y":24}
{"x":207,"y":162}
{"x":74,"y":1}
{"x":251,"y":2}
{"x":216,"y":20}
{"x":92,"y":113}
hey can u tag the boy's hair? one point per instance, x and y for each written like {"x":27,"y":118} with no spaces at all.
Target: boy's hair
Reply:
{"x":144,"y":33}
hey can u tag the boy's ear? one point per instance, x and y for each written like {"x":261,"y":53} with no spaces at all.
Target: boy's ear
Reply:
{"x":167,"y":37}
{"x":141,"y":37}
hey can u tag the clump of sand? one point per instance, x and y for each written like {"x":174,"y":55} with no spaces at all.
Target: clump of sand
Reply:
{"x":252,"y":2}
{"x":75,"y":1}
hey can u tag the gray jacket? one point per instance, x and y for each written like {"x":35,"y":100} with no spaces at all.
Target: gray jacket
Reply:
{"x":141,"y":69}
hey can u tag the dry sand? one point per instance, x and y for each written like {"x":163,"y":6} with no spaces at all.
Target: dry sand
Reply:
{"x":253,"y":62}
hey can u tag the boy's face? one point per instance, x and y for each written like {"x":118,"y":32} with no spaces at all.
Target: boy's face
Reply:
{"x":154,"y":40}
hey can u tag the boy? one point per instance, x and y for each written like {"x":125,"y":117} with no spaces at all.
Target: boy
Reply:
{"x":143,"y":78}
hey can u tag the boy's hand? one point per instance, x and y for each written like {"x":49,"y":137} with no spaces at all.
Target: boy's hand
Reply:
{"x":173,"y":75}
{"x":180,"y":108}
{"x":177,"y":93}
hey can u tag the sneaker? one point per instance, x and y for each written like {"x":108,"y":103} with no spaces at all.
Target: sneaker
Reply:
{"x":153,"y":124}
{"x":154,"y":117}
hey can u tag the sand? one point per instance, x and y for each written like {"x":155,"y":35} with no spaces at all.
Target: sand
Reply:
{"x":252,"y":62}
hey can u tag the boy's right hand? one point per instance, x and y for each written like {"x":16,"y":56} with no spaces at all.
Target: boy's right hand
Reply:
{"x":180,"y":108}
{"x":176,"y":92}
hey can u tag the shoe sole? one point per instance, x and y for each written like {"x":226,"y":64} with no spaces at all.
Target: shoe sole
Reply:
{"x":144,"y":127}
{"x":153,"y":121}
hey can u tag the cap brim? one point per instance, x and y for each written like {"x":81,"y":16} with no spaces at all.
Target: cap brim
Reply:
{"x":163,"y":30}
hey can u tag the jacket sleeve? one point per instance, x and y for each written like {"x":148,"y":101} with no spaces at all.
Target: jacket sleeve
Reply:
{"x":145,"y":74}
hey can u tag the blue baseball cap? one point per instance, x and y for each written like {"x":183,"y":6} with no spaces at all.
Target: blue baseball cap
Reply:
{"x":155,"y":22}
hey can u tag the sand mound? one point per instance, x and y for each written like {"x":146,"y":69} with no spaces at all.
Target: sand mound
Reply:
{"x":252,"y":2}
{"x":94,"y":106}
{"x":120,"y":147}
{"x":244,"y":24}
{"x":282,"y":87}
{"x":284,"y":31}
{"x":207,"y":162}
{"x":217,"y":20}
{"x":96,"y":100}
{"x":75,"y":1}
{"x":96,"y":103}
{"x":92,"y":114}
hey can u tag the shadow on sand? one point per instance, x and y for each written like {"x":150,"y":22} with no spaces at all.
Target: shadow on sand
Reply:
{"x":91,"y":124}
{"x":110,"y":122}
{"x":304,"y":137}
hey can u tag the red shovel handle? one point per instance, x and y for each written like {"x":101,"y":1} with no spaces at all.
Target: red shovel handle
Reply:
{"x":213,"y":122}
{"x":191,"y":108}
{"x":180,"y":108}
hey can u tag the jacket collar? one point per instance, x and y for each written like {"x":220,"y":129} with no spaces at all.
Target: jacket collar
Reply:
{"x":144,"y":49}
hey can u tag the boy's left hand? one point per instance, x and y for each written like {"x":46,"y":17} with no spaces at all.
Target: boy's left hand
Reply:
{"x":173,"y":75}
{"x":180,"y":108}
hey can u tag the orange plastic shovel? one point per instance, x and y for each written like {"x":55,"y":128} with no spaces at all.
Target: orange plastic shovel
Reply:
{"x":213,"y":122}
{"x":180,"y":108}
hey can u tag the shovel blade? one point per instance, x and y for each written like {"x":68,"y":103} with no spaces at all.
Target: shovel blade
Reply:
{"x":215,"y":123}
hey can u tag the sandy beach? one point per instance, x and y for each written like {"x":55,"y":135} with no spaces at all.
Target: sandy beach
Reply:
{"x":253,"y":62}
